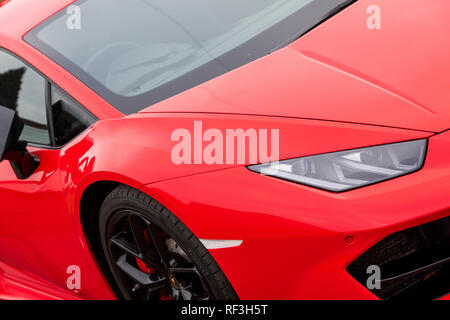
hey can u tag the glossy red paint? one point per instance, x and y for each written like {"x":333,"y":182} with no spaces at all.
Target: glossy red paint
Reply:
{"x":341,"y":86}
{"x":300,"y":229}
{"x":3,"y":2}
{"x":396,"y":76}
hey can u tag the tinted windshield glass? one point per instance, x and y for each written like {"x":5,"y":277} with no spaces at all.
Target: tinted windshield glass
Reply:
{"x":135,"y":53}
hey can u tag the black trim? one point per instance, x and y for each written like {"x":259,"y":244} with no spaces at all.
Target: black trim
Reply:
{"x":48,"y":84}
{"x":414,"y":263}
{"x":92,"y":119}
{"x":21,"y":172}
{"x":48,"y":107}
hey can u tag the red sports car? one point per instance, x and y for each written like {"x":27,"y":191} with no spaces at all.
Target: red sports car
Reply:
{"x":206,"y":149}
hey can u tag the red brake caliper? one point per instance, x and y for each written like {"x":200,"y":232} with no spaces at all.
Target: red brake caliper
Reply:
{"x":144,"y":268}
{"x":149,"y":270}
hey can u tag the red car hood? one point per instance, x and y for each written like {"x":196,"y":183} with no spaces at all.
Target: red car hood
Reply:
{"x":396,"y":76}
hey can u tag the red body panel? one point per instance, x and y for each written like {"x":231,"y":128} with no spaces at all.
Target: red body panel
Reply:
{"x":396,"y":76}
{"x":339,"y":87}
{"x":300,"y":229}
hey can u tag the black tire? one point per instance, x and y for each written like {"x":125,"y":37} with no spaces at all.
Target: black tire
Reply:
{"x":129,"y":204}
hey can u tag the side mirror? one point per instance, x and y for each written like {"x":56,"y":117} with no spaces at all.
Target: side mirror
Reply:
{"x":22,"y":162}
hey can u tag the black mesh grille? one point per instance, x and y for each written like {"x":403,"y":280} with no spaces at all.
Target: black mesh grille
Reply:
{"x":414,"y":262}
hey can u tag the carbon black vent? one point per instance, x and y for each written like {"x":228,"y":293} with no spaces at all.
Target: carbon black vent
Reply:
{"x":414,"y":263}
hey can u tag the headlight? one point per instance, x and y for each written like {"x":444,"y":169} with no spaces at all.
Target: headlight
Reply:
{"x":346,"y":170}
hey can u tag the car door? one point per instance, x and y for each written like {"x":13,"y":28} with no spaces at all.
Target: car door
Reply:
{"x":33,"y":214}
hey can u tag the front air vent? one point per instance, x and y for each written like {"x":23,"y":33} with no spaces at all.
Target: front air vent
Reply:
{"x":414,"y":263}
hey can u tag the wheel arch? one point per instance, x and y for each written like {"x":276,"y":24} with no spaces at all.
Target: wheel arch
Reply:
{"x":90,"y":203}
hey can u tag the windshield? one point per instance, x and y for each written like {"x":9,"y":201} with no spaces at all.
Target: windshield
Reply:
{"x":136,"y":53}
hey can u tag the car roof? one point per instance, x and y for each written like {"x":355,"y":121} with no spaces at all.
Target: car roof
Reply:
{"x":20,"y":16}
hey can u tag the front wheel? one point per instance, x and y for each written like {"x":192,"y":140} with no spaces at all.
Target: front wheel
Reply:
{"x":152,"y":255}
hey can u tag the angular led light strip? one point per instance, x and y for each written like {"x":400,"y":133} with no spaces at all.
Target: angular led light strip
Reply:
{"x":220,"y":244}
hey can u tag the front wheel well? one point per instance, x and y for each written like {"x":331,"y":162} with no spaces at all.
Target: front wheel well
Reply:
{"x":90,"y":204}
{"x":103,"y":200}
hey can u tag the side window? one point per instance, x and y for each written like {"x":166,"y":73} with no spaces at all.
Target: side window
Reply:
{"x":68,"y":118}
{"x":22,"y":89}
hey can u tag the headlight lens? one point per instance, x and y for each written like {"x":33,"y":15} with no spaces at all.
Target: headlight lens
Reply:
{"x":346,"y":170}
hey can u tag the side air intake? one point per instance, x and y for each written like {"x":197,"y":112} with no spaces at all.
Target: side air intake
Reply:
{"x":414,"y":263}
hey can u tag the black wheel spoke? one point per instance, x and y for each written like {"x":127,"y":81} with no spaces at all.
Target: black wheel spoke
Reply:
{"x":142,"y":242}
{"x":185,"y":270}
{"x":125,"y":246}
{"x":142,"y":278}
{"x":193,"y":271}
{"x":161,"y":248}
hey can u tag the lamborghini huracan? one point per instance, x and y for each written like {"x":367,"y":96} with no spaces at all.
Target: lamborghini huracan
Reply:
{"x":212,"y":149}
